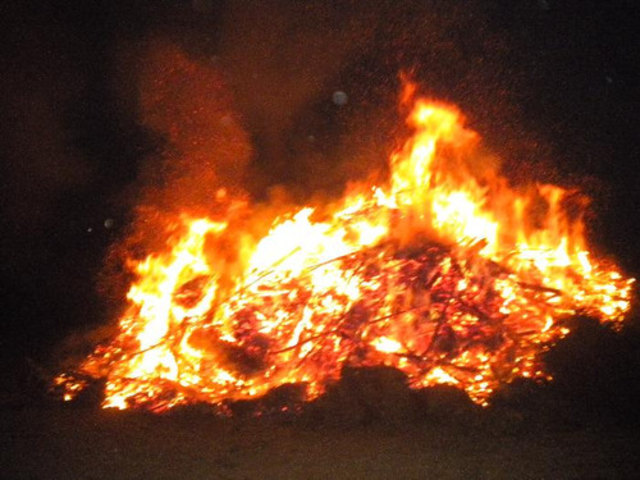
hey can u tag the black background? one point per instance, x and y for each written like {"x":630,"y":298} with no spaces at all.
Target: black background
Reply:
{"x":551,"y":85}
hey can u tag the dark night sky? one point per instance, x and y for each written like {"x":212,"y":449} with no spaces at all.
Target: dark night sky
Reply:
{"x":550,"y":83}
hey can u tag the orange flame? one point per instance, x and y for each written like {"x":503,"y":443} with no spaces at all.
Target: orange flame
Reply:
{"x":445,"y":272}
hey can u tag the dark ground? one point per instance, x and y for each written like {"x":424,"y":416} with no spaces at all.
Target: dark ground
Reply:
{"x":550,"y":85}
{"x":85,"y":444}
{"x":369,"y":425}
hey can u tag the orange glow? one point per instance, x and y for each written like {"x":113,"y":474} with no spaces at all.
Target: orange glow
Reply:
{"x":445,"y":272}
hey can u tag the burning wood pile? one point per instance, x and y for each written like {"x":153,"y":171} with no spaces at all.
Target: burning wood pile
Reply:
{"x":445,"y":272}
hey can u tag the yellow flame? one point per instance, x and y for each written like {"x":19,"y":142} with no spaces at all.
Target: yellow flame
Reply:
{"x":315,"y":294}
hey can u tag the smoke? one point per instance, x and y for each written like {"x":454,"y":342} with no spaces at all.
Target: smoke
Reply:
{"x":284,"y":60}
{"x":234,"y":94}
{"x":187,"y":103}
{"x":238,"y":95}
{"x":200,"y":155}
{"x":245,"y":99}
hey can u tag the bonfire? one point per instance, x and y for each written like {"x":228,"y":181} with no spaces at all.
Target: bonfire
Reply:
{"x":444,"y":270}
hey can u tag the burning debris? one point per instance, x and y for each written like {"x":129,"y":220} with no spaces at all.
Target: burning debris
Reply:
{"x":445,"y":273}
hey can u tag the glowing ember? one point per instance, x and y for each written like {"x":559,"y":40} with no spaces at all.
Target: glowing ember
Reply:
{"x":446,"y":273}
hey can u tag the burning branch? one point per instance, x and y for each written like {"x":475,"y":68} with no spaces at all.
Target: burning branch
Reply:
{"x":437,"y":274}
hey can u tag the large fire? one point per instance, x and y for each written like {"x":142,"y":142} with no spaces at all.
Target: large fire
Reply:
{"x":444,"y":271}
